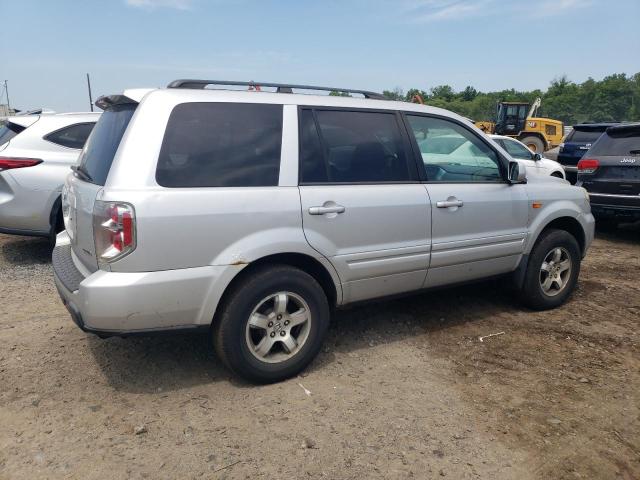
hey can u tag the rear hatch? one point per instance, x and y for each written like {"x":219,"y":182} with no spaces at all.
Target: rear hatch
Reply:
{"x":578,"y":142}
{"x":617,"y":154}
{"x":90,"y":176}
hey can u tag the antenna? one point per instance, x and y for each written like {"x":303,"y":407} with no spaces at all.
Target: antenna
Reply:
{"x":89,"y":88}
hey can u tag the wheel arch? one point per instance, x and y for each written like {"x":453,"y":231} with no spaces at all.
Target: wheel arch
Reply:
{"x":570,"y":225}
{"x":320,"y":271}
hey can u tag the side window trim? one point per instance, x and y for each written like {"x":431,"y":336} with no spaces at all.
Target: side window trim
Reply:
{"x":502,"y":161}
{"x":50,"y":134}
{"x":414,"y":172}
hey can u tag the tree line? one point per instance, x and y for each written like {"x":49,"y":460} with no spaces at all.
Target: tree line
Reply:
{"x":614,"y":98}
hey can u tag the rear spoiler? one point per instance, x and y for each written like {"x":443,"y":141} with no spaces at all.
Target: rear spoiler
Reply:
{"x":128,"y":97}
{"x":624,"y":129}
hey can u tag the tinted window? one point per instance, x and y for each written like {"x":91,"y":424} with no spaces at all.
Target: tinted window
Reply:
{"x":101,"y":147}
{"x":451,"y":153}
{"x":221,"y":145}
{"x":73,"y":136}
{"x":584,"y":136}
{"x":356,"y":147}
{"x":517,"y":150}
{"x":9,"y":130}
{"x":620,"y":142}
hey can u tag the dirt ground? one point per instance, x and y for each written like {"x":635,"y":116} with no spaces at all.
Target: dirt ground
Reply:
{"x":403,"y":389}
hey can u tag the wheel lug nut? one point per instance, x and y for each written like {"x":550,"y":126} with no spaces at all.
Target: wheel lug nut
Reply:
{"x":279,"y":317}
{"x":272,"y":334}
{"x":282,"y":333}
{"x":270,"y":324}
{"x":286,"y":322}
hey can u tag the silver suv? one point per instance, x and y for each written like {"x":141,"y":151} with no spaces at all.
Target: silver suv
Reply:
{"x":254,"y":214}
{"x":36,"y":151}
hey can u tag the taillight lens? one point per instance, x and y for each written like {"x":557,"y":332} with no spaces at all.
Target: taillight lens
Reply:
{"x":8,"y":163}
{"x":588,"y":165}
{"x":114,"y":230}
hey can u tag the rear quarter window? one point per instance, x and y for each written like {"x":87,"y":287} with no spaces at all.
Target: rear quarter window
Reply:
{"x":221,"y":145}
{"x":73,"y":136}
{"x":9,"y":130}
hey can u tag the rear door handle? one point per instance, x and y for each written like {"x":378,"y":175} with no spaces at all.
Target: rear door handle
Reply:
{"x":324,"y":210}
{"x":449,"y":203}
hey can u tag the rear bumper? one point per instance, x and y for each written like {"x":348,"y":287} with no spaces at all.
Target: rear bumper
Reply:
{"x":115,"y":303}
{"x":614,"y":205}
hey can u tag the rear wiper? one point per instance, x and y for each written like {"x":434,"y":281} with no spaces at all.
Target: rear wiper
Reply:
{"x":82,"y":173}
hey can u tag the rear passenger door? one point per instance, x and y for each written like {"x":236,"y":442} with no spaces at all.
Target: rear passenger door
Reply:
{"x":479,"y":220}
{"x":363,"y":206}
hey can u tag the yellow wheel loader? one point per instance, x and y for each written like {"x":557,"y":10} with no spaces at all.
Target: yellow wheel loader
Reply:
{"x":519,"y":120}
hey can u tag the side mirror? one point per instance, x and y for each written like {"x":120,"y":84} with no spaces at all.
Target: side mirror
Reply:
{"x":537,"y":156}
{"x":517,"y":172}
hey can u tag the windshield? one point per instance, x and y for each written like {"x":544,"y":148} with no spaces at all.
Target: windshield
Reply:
{"x":9,"y":130}
{"x":97,"y":156}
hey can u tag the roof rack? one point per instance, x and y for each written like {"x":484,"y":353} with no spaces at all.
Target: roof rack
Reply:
{"x":280,"y":87}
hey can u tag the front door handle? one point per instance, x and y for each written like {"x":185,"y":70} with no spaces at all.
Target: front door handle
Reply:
{"x":449,"y":203}
{"x":323,"y":210}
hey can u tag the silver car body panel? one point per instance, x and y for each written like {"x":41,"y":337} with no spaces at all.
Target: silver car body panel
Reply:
{"x":192,"y":242}
{"x":27,"y":195}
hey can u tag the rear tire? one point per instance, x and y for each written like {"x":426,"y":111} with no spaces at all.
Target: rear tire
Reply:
{"x":552,"y":270}
{"x":272,"y":324}
{"x":535,"y":144}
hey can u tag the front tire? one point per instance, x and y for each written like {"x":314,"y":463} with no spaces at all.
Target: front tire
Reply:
{"x":535,"y":144}
{"x":272,"y":325}
{"x":552,"y":270}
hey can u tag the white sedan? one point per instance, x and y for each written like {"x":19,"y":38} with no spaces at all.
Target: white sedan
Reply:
{"x":535,"y":162}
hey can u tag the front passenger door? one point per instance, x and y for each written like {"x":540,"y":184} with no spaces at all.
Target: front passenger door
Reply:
{"x":479,"y":220}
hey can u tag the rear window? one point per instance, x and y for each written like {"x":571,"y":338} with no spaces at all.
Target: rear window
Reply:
{"x":73,"y":136}
{"x":9,"y":130}
{"x":101,"y":147}
{"x":221,"y":145}
{"x":584,"y":136}
{"x":621,"y":142}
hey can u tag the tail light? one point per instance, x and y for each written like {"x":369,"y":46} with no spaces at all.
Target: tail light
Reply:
{"x":8,"y":163}
{"x":588,"y":165}
{"x":114,"y":230}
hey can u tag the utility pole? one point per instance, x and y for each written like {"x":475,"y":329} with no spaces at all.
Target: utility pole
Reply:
{"x":6,"y":91}
{"x":89,"y":88}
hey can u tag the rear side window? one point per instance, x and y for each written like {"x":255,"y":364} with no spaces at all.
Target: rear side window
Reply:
{"x":584,"y":136}
{"x":9,"y":130}
{"x":73,"y":136}
{"x":101,"y":147}
{"x":221,"y":145}
{"x":617,"y":143}
{"x":340,"y":146}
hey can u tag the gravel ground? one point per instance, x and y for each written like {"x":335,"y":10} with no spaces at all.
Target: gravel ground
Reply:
{"x":403,"y":389}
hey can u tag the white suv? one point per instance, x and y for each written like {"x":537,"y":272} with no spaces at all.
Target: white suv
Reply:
{"x":36,"y":151}
{"x":254,"y":214}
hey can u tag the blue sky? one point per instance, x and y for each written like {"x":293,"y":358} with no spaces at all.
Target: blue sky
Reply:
{"x":46,"y":47}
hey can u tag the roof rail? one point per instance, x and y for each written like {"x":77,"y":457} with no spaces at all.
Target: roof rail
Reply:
{"x":280,"y":87}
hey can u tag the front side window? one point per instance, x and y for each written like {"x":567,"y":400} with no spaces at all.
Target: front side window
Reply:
{"x":73,"y":136}
{"x":221,"y":145}
{"x":451,"y":153}
{"x":517,"y":150}
{"x":341,"y":146}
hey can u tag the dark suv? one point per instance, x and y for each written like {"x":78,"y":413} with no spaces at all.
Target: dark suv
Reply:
{"x":610,"y":171}
{"x":578,"y":141}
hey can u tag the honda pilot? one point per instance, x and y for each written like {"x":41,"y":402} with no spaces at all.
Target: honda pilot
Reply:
{"x":253,"y":214}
